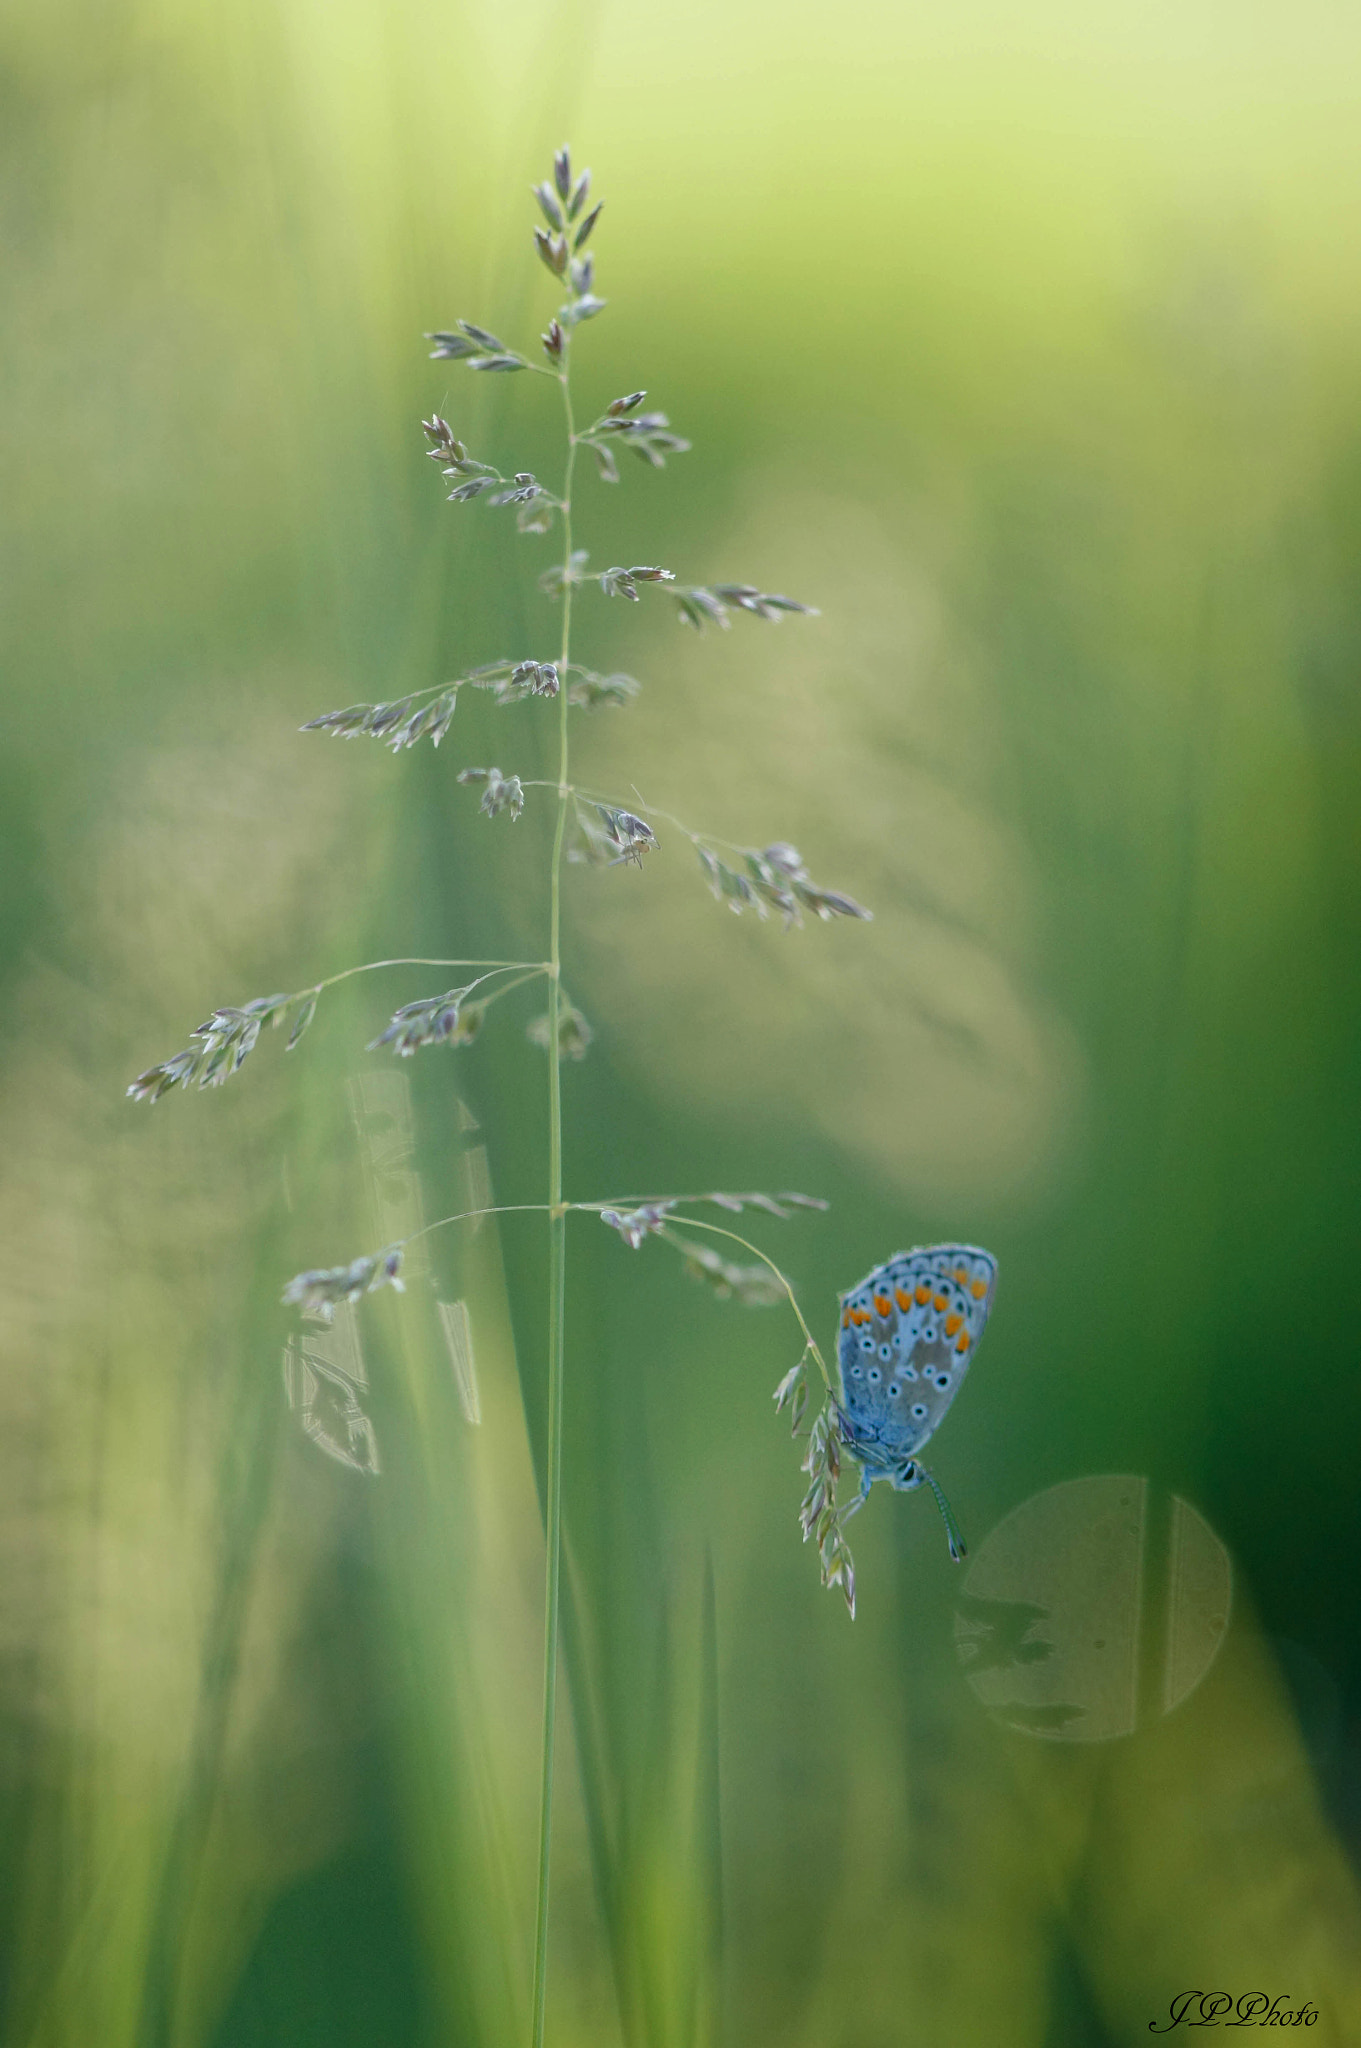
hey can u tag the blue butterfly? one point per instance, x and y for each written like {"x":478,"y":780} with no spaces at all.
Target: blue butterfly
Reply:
{"x":908,"y":1335}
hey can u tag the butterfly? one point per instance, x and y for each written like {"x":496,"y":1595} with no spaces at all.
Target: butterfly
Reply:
{"x":908,"y":1335}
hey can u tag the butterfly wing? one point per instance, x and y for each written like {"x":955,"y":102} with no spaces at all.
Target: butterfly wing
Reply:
{"x":908,"y":1335}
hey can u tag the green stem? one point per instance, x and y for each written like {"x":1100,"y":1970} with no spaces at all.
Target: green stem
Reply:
{"x":372,"y":966}
{"x":507,"y":987}
{"x":557,"y":1278}
{"x":467,"y":1215}
{"x":718,"y":1230}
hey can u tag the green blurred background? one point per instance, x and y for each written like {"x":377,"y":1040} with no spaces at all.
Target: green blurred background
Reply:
{"x":1023,"y":342}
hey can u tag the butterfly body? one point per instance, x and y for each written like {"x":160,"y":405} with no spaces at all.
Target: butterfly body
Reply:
{"x":908,"y":1335}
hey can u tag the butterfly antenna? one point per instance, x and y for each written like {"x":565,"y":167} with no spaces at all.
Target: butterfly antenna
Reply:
{"x":959,"y":1549}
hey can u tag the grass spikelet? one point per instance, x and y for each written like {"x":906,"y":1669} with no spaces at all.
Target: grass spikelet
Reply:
{"x":501,"y":792}
{"x":433,"y":1020}
{"x":774,"y":879}
{"x":321,"y":1292}
{"x":574,"y":1033}
{"x":221,"y":1044}
{"x":819,"y":1518}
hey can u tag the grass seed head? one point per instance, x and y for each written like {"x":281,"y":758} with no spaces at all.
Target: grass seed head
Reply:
{"x":222,"y":1043}
{"x":322,"y":1291}
{"x":589,"y":692}
{"x":502,"y":792}
{"x":753,"y":1286}
{"x":775,"y":879}
{"x":574,"y":1033}
{"x":434,"y":1020}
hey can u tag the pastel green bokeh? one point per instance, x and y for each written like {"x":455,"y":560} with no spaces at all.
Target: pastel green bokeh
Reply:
{"x":1021,"y":342}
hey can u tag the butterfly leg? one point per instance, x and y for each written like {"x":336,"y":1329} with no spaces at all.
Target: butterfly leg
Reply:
{"x":866,"y":1481}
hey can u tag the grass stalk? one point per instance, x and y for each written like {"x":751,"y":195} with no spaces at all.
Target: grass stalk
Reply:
{"x":557,"y":1275}
{"x":606,"y":834}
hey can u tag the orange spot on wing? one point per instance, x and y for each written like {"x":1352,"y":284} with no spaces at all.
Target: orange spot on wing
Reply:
{"x":845,"y":1319}
{"x":979,"y":1289}
{"x":938,"y":1303}
{"x":882,"y":1305}
{"x":923,"y":1296}
{"x":860,"y":1315}
{"x":952,"y":1323}
{"x":961,"y":1274}
{"x":962,"y":1343}
{"x":904,"y":1300}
